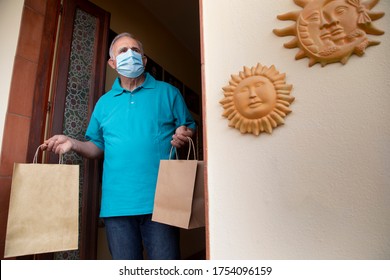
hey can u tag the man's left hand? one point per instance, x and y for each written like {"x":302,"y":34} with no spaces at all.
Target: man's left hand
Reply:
{"x":179,"y":139}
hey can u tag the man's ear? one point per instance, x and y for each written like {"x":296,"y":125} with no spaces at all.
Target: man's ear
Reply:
{"x":144,"y":60}
{"x":111,"y":62}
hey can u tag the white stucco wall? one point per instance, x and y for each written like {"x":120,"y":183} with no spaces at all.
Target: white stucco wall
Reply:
{"x":10,"y":16}
{"x":319,"y":186}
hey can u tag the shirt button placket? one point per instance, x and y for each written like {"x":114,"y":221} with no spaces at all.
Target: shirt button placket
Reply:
{"x":132,"y":102}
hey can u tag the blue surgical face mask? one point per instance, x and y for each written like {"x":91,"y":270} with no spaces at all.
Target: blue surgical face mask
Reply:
{"x":129,"y":64}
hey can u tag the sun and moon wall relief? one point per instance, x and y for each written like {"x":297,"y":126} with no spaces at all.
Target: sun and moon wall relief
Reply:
{"x":326,"y":31}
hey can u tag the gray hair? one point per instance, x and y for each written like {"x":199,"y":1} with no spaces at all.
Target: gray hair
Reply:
{"x":124,"y":34}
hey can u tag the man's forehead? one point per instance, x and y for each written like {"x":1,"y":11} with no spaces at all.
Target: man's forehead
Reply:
{"x":125,"y":42}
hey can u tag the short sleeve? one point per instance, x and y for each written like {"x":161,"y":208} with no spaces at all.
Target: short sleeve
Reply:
{"x":94,"y":132}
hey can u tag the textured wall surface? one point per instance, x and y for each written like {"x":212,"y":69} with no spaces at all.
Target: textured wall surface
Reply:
{"x":318,"y":186}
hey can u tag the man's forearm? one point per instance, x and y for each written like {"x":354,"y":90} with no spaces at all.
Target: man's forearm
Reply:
{"x":86,"y":149}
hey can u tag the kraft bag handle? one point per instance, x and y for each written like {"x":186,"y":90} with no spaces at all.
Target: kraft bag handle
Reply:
{"x":35,"y":159}
{"x":191,"y":144}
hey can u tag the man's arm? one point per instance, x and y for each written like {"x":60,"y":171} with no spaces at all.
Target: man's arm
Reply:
{"x":61,"y":144}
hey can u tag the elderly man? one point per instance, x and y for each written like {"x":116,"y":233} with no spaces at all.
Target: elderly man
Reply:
{"x":133,"y":126}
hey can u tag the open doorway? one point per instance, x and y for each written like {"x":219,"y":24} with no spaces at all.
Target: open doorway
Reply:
{"x":161,"y":45}
{"x":170,"y":33}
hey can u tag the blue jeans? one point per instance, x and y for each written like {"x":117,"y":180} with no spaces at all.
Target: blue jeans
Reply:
{"x":127,"y":236}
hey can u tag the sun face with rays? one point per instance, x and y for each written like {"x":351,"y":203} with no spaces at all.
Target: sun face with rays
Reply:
{"x":328,"y":31}
{"x":257,"y":99}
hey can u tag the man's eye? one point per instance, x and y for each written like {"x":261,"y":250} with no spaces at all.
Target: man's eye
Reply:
{"x":137,"y":50}
{"x":123,"y":50}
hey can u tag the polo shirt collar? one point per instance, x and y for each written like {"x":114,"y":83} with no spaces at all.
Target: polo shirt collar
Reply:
{"x":149,"y":82}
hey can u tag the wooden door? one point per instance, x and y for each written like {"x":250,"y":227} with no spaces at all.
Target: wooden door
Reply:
{"x":71,"y":91}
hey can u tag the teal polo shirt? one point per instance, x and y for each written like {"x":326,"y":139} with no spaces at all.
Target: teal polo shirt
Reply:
{"x":134,"y":129}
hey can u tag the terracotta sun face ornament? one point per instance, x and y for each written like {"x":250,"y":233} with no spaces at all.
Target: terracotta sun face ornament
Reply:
{"x":328,"y":31}
{"x":257,"y":100}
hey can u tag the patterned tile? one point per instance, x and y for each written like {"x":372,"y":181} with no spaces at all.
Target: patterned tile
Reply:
{"x":77,"y":95}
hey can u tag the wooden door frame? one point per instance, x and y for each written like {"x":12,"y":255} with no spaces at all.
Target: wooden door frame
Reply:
{"x":90,"y":198}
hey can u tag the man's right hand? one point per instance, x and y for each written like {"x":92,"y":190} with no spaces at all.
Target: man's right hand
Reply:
{"x":59,"y":144}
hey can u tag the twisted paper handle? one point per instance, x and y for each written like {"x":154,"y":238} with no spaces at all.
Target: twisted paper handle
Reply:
{"x":35,"y":159}
{"x":191,"y":144}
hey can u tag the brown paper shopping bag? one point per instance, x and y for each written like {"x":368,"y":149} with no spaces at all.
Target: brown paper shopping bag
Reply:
{"x":43,"y":209}
{"x":179,"y":199}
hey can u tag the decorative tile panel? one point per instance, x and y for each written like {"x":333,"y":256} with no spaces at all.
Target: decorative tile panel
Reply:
{"x":77,"y":95}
